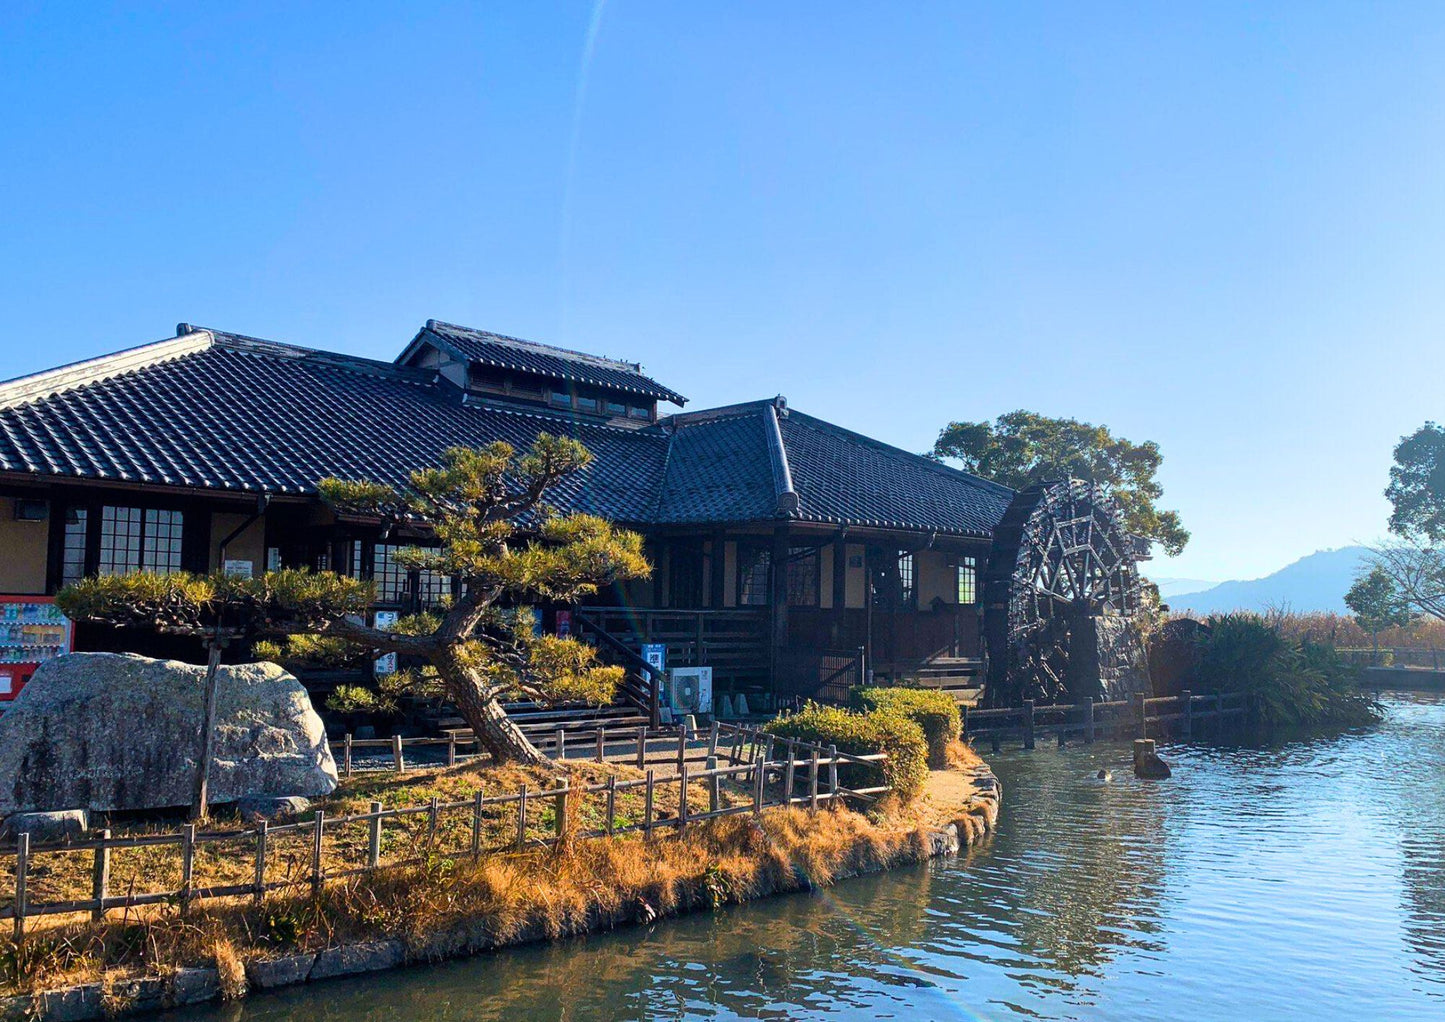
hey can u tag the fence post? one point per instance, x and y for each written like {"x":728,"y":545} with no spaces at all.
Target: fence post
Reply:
{"x":712,"y":741}
{"x":396,"y":755}
{"x":601,"y":744}
{"x":316,"y":874}
{"x":682,"y":746}
{"x":647,"y":805}
{"x":260,"y":893}
{"x":188,"y":859}
{"x":522,"y":819}
{"x":1187,"y":697}
{"x":760,"y":778}
{"x":100,"y":876}
{"x":1141,"y":711}
{"x":373,"y":846}
{"x":788,"y":773}
{"x":642,"y":747}
{"x":22,"y":868}
{"x":451,"y":750}
{"x":1028,"y":723}
{"x":813,"y":780}
{"x":477,"y":824}
{"x":713,"y":784}
{"x":348,"y":754}
{"x":563,"y":794}
{"x":431,"y":826}
{"x":559,"y":743}
{"x":682,"y":797}
{"x":611,"y":805}
{"x":963,"y":731}
{"x":1089,"y":719}
{"x":832,"y":772}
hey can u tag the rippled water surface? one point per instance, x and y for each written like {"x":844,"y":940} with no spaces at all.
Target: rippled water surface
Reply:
{"x":1305,"y":880}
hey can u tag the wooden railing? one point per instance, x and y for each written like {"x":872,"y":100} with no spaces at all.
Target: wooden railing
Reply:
{"x":1137,"y":718}
{"x":766,"y":773}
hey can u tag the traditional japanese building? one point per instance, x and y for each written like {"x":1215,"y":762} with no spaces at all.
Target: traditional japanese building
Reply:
{"x":789,"y":552}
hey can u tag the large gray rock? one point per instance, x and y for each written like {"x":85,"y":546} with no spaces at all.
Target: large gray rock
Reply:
{"x":60,"y":825}
{"x":109,"y":731}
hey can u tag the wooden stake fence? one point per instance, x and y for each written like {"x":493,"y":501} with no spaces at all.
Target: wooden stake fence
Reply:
{"x":754,"y":795}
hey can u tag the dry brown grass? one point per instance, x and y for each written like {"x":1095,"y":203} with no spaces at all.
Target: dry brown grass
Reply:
{"x":57,"y":876}
{"x":451,"y":904}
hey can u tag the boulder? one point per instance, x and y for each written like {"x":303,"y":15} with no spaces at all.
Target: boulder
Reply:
{"x":115,"y":731}
{"x":254,"y":808}
{"x":43,"y":828}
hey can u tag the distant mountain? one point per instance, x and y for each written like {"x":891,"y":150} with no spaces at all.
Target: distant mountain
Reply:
{"x":1314,"y":583}
{"x":1169,"y":587}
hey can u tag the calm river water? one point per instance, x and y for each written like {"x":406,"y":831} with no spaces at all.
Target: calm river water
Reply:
{"x":1305,"y":880}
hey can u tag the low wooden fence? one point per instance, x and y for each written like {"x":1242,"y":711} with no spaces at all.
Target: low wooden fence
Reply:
{"x":763,"y":771}
{"x":1139,"y":717}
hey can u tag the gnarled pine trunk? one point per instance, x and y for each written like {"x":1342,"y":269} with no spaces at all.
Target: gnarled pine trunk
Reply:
{"x":483,"y":713}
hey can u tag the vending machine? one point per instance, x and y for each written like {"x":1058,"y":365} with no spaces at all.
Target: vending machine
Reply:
{"x":32,"y":631}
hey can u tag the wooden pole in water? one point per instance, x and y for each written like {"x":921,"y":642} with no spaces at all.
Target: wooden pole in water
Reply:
{"x":1187,"y":698}
{"x":1089,"y":719}
{"x":1028,"y":723}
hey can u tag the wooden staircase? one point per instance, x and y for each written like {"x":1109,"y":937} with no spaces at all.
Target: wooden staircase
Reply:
{"x":960,"y":677}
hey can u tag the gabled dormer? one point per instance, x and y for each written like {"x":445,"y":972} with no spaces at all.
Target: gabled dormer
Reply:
{"x":494,"y":367}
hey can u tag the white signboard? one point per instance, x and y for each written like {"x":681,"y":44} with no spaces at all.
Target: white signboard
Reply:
{"x":386,"y":621}
{"x":238,"y":568}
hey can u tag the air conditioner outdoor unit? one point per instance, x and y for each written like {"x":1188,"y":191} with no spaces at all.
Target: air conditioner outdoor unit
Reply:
{"x":689,"y":689}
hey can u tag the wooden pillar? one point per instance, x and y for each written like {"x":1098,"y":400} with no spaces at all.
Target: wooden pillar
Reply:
{"x":1028,"y":723}
{"x":840,"y":587}
{"x":778,"y":597}
{"x":717,"y":580}
{"x":1186,"y":699}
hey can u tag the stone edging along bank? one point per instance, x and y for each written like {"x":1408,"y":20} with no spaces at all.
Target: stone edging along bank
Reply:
{"x":191,"y":986}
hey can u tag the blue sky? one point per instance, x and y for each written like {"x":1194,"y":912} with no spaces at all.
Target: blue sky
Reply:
{"x":1221,"y":227}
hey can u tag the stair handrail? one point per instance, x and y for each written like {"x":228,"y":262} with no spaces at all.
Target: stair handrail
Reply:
{"x":651,"y":672}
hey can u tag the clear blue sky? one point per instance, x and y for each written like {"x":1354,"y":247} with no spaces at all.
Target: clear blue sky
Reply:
{"x":1221,"y":227}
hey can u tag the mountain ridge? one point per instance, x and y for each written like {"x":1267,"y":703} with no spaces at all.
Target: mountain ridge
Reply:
{"x":1316,"y":582}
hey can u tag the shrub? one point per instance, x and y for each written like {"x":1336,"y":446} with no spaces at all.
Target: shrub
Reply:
{"x":935,"y":712}
{"x":861,"y":734}
{"x":1289,"y":682}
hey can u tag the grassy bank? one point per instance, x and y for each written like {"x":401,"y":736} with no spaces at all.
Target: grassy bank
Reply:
{"x":452,"y":901}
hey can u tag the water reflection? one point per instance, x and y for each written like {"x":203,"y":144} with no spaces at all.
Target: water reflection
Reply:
{"x":1301,"y":880}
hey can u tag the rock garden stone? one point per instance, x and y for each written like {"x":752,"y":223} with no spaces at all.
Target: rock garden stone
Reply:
{"x":254,"y":808}
{"x":43,"y":828}
{"x":110,"y":731}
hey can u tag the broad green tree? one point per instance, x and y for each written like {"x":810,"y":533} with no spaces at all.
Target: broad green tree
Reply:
{"x":1415,"y":561}
{"x":1021,"y":448}
{"x":1377,"y":603}
{"x":494,"y":531}
{"x":1417,"y":485}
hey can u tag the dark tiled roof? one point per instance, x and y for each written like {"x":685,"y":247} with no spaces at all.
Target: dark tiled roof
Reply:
{"x":224,"y":412}
{"x":243,"y":415}
{"x":842,"y":476}
{"x":543,"y":359}
{"x":719,"y":470}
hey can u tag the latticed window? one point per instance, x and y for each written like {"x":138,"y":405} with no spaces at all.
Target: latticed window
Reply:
{"x":753,"y":569}
{"x":388,"y":574}
{"x":139,"y":539}
{"x":72,"y":559}
{"x":968,"y":580}
{"x":907,"y":591}
{"x":803,"y":577}
{"x":392,"y":577}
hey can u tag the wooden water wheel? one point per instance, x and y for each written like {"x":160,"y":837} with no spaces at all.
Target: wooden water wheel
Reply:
{"x":1061,"y":559}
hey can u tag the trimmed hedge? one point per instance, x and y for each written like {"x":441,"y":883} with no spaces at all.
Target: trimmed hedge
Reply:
{"x":861,"y":734}
{"x":934,"y":711}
